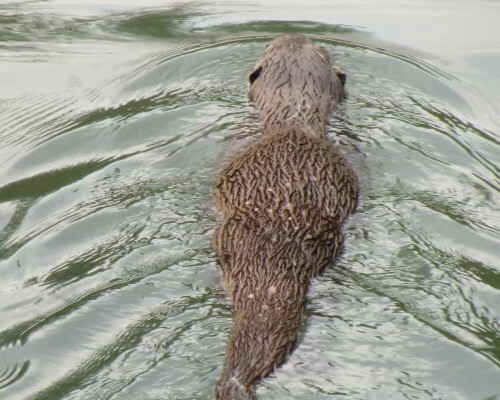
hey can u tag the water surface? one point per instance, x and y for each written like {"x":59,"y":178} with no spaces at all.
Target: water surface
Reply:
{"x":114,"y":121}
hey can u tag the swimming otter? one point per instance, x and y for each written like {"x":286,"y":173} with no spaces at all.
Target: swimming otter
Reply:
{"x":283,"y":199}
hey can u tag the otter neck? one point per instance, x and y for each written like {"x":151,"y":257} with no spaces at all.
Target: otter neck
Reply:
{"x":305,"y":118}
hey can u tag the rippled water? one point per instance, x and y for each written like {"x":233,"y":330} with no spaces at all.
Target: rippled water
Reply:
{"x":114,"y":121}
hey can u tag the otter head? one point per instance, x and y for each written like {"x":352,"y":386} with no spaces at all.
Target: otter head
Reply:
{"x":295,"y":85}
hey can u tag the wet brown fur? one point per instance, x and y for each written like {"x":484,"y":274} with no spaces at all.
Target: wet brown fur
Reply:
{"x":283,"y":200}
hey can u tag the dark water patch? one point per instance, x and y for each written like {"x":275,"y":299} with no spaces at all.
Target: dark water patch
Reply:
{"x":13,"y":373}
{"x":172,"y":23}
{"x":25,"y":28}
{"x":272,"y":28}
{"x":93,"y":261}
{"x":40,"y":185}
{"x":21,"y":209}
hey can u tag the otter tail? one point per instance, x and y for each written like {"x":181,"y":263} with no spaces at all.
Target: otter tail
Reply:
{"x":262,"y":337}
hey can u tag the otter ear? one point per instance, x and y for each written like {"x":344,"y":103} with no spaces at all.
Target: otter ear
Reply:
{"x":254,"y":74}
{"x":340,"y":74}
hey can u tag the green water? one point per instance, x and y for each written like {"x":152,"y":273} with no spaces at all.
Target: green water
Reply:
{"x":115,"y":118}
